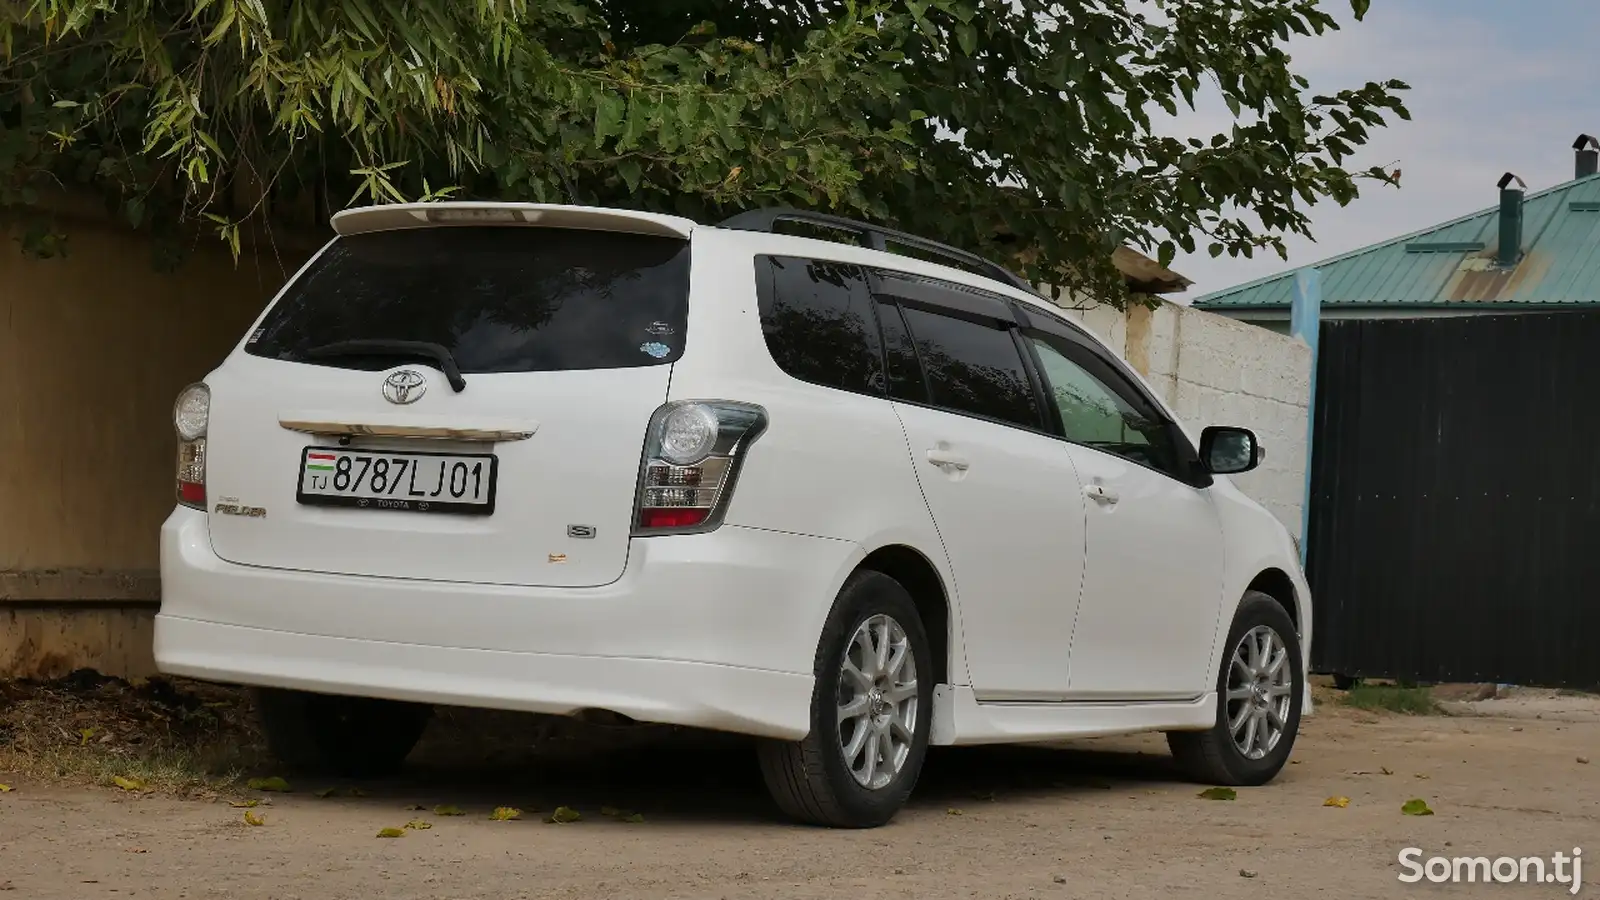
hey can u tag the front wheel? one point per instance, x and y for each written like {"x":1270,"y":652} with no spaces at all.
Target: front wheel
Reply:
{"x":870,"y":713}
{"x":1259,"y":692}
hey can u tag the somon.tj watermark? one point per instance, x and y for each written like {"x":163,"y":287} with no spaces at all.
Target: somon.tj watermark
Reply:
{"x":1559,"y":868}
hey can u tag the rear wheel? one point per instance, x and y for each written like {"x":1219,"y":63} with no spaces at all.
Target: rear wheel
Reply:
{"x":1259,"y":692}
{"x":870,"y":713}
{"x":353,"y":736}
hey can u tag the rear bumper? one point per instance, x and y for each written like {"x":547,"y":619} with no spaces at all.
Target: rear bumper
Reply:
{"x":702,"y":695}
{"x":716,"y":631}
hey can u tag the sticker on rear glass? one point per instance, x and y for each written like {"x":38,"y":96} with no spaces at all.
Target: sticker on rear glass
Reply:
{"x":256,"y":335}
{"x":655,"y":349}
{"x":660,"y":329}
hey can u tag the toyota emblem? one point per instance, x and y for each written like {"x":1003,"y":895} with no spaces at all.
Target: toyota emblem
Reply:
{"x":404,"y":386}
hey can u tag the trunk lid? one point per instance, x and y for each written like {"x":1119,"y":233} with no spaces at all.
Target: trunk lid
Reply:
{"x":564,"y":339}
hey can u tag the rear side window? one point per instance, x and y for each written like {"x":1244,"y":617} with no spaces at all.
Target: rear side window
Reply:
{"x":973,"y":368}
{"x":819,"y":323}
{"x":499,"y":299}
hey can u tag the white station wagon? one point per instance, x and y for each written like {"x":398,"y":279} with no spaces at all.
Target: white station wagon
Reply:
{"x":854,"y":495}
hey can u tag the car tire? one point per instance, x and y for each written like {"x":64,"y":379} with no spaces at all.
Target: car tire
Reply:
{"x":860,"y":703}
{"x":1345,"y":682}
{"x":1257,"y":690}
{"x":350,"y":736}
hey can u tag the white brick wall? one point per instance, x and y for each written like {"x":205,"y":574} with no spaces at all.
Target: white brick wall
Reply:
{"x":1216,"y":371}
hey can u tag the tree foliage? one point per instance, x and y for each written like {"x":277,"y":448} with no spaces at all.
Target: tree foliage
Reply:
{"x":958,"y":119}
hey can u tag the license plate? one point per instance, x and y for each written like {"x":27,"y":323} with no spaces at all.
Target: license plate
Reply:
{"x":411,"y":482}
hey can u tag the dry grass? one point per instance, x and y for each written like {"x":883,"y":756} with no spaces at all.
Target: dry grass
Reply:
{"x":171,"y":736}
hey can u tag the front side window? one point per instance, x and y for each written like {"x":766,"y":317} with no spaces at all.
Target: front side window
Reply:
{"x":819,"y":324}
{"x":1095,"y":414}
{"x":973,"y":368}
{"x":499,"y":299}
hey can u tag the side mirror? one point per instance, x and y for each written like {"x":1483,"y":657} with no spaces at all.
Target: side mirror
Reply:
{"x":1225,"y":450}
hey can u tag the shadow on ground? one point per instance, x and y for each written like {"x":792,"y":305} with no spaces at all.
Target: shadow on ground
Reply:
{"x":478,"y":761}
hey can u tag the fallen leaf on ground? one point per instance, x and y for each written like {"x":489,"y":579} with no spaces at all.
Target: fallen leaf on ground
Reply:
{"x":5,"y":788}
{"x":84,"y":735}
{"x":1423,"y":775}
{"x":1415,"y":807}
{"x":448,"y":810}
{"x":1218,"y":793}
{"x":565,"y":814}
{"x":952,"y":811}
{"x":137,"y":850}
{"x":416,"y":807}
{"x":610,"y":811}
{"x":244,"y":804}
{"x":1059,"y":879}
{"x":1340,"y":802}
{"x":419,"y":825}
{"x":356,"y":792}
{"x":633,"y":818}
{"x":1247,"y":873}
{"x":127,"y":784}
{"x":273,"y":784}
{"x":325,"y":792}
{"x":391,"y":833}
{"x":1385,"y":770}
{"x":251,"y":818}
{"x":1583,"y":760}
{"x":505,"y":813}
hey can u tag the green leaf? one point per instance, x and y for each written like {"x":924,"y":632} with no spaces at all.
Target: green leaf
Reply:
{"x":631,"y":173}
{"x":127,"y":784}
{"x":447,"y":810}
{"x":633,"y":818}
{"x":505,"y":813}
{"x":608,"y":117}
{"x":1360,"y":7}
{"x":967,"y":37}
{"x":6,"y":789}
{"x":273,"y":784}
{"x":564,"y":814}
{"x":419,"y":825}
{"x":1218,"y":793}
{"x":1416,"y":806}
{"x":391,"y":832}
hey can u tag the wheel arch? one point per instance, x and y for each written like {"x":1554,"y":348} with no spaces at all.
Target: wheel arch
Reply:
{"x":1277,"y":584}
{"x":922,"y":579}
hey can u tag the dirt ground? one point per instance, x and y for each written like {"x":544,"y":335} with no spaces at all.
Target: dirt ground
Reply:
{"x":1103,"y":818}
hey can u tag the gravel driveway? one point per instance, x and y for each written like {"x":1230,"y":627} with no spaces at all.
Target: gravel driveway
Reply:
{"x":1103,"y":818}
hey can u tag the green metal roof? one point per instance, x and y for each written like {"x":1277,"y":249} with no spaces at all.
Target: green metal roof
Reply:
{"x":1453,"y":263}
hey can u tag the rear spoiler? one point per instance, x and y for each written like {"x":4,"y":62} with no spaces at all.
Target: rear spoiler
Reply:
{"x":391,"y":217}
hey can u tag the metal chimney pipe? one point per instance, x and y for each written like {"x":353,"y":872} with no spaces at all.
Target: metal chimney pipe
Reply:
{"x":1510,"y":250}
{"x":1587,"y":150}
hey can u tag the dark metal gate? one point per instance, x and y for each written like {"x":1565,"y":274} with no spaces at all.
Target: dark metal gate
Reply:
{"x":1455,"y":513}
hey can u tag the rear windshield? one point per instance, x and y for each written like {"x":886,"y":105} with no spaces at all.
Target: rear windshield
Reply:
{"x":500,"y":299}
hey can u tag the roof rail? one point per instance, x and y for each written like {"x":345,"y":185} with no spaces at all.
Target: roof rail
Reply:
{"x":875,"y":237}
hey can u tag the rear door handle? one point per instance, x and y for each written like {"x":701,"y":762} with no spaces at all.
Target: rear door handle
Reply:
{"x":944,"y":459}
{"x":1101,"y":494}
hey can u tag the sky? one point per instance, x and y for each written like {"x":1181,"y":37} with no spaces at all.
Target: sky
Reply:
{"x":1496,"y":86}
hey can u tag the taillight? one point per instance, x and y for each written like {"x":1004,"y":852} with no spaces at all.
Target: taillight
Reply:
{"x":692,"y":455}
{"x":190,"y":416}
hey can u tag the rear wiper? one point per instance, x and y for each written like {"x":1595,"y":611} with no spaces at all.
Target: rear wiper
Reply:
{"x":385,"y":347}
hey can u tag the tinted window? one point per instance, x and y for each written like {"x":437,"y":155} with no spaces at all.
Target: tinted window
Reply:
{"x":1094,"y":412}
{"x":973,"y":368}
{"x":819,"y":324}
{"x":499,"y":299}
{"x":900,"y":357}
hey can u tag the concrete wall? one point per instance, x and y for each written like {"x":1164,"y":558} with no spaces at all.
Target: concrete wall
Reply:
{"x":94,"y":346}
{"x":1214,"y":370}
